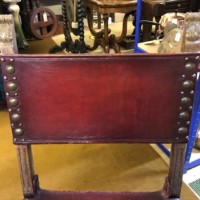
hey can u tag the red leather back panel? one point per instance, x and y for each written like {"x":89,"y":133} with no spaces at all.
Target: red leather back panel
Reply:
{"x":84,"y":99}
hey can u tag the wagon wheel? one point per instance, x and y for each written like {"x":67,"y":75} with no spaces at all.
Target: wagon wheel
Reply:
{"x":43,"y":23}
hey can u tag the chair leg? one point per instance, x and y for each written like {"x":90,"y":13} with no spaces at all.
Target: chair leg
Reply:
{"x":28,"y":179}
{"x":172,"y":187}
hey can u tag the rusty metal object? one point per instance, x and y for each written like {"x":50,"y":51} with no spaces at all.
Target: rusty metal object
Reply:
{"x":43,"y":23}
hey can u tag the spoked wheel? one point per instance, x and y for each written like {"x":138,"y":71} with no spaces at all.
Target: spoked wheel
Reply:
{"x":43,"y":23}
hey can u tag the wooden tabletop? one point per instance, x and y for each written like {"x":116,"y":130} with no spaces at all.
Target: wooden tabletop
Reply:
{"x":112,"y":6}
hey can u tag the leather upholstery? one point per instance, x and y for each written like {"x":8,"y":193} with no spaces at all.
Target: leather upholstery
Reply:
{"x":108,"y":98}
{"x":85,"y":99}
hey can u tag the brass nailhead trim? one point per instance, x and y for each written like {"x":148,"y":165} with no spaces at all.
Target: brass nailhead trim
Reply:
{"x":15,"y":117}
{"x":13,"y":102}
{"x":183,"y":130}
{"x":184,"y":115}
{"x":186,"y":101}
{"x":190,"y":66}
{"x":187,"y":95}
{"x":18,"y":131}
{"x":11,"y":86}
{"x":10,"y":69}
{"x":188,"y":84}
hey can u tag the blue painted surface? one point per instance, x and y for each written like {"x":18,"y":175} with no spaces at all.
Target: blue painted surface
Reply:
{"x":193,"y":129}
{"x":192,"y":164}
{"x":164,"y":149}
{"x":137,"y":27}
{"x":139,"y":50}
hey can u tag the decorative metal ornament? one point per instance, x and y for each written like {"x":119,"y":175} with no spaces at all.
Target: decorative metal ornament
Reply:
{"x":184,"y":115}
{"x":190,"y":66}
{"x":186,"y":101}
{"x":192,"y":92}
{"x":10,"y":69}
{"x":15,"y":117}
{"x":187,"y":94}
{"x":18,"y":131}
{"x":188,"y":122}
{"x":11,"y":60}
{"x":12,"y":102}
{"x":188,"y":84}
{"x":11,"y":86}
{"x":2,"y":60}
{"x":183,"y":130}
{"x":194,"y":76}
{"x":183,"y":76}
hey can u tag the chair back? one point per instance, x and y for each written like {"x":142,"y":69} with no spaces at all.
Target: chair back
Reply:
{"x":132,"y":98}
{"x":81,"y":99}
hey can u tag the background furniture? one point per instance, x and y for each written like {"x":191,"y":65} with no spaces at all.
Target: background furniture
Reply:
{"x":14,"y":9}
{"x":151,"y":9}
{"x":156,"y":8}
{"x":37,"y":21}
{"x":73,"y":24}
{"x":105,"y":7}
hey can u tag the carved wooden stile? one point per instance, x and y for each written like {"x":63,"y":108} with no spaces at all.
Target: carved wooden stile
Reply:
{"x":8,"y":45}
{"x":14,"y":10}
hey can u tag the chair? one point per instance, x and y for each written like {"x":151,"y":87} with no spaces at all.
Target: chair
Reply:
{"x":102,"y":99}
{"x":105,"y":7}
